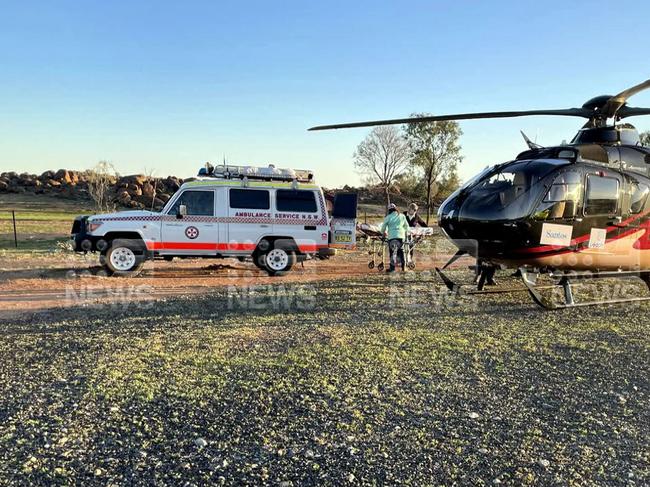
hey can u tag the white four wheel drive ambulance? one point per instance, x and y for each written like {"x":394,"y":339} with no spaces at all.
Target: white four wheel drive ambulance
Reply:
{"x":274,"y":217}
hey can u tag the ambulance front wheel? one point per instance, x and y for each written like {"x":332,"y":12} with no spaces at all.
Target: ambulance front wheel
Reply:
{"x":279,"y":261}
{"x":123,"y":257}
{"x":259,"y":260}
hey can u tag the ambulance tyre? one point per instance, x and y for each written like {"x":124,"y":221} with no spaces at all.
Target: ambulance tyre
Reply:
{"x":279,"y":260}
{"x":258,"y":260}
{"x":123,"y":257}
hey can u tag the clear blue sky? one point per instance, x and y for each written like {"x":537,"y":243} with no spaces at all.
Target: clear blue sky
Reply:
{"x":165,"y":86}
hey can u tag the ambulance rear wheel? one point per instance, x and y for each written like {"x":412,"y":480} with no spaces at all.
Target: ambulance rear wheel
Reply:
{"x":278,"y":261}
{"x":123,"y":257}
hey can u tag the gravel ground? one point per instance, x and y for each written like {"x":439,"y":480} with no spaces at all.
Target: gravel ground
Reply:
{"x":372,"y":380}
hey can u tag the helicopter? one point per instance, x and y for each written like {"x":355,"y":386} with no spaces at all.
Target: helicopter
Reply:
{"x":580,"y":210}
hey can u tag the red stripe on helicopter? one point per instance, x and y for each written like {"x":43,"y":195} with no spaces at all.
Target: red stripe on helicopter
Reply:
{"x":637,"y":245}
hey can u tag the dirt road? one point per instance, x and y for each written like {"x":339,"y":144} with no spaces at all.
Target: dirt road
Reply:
{"x":38,"y":284}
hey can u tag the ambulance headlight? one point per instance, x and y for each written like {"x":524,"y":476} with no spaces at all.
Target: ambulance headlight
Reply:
{"x":92,"y":226}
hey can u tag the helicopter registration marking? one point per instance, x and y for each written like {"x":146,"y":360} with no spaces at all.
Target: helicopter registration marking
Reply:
{"x":597,"y":238}
{"x":554,"y":234}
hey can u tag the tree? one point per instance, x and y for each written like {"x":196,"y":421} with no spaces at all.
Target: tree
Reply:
{"x":382,"y":156}
{"x":435,"y":149}
{"x":448,"y":185}
{"x":645,"y":138}
{"x":411,"y":185}
{"x":100,"y":179}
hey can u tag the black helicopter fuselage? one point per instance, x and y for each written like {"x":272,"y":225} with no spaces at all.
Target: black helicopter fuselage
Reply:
{"x":578,"y":206}
{"x":581,"y":206}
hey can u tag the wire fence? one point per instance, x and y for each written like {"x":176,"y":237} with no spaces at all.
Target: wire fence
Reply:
{"x":15,"y":232}
{"x":33,"y":229}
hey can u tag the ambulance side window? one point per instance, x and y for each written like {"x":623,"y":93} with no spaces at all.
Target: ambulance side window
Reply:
{"x":250,"y":199}
{"x":198,"y":203}
{"x":296,"y":200}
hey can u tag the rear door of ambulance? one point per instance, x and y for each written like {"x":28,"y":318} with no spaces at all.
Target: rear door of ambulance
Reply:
{"x":344,"y":221}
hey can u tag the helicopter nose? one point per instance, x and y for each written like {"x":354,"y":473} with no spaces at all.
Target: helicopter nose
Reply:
{"x":448,"y":215}
{"x":446,"y":209}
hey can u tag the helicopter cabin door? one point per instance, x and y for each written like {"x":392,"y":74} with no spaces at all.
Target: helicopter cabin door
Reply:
{"x":602,"y":210}
{"x":562,"y":202}
{"x":635,"y":204}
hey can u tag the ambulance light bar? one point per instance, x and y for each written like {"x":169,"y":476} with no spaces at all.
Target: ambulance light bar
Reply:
{"x":270,"y":173}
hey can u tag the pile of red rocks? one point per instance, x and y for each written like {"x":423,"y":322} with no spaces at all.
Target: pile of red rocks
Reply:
{"x":135,"y":191}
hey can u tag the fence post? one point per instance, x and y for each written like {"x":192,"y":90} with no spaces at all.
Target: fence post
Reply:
{"x":13,"y":217}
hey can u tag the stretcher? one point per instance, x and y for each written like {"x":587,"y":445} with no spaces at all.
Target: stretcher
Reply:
{"x":379,"y":245}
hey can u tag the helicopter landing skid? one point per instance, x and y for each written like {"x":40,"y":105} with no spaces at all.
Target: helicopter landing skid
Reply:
{"x":483,"y":273}
{"x":458,"y":289}
{"x":530,"y":280}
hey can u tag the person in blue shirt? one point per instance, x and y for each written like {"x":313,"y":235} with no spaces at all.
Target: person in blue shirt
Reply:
{"x":395,"y":227}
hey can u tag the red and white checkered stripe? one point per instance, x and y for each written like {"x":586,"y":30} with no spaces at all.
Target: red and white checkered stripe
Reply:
{"x":313,"y":219}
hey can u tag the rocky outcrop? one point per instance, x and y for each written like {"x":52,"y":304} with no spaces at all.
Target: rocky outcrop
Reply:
{"x":134,"y":191}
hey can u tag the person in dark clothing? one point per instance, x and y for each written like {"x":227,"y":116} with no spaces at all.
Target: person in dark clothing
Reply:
{"x":413,"y":218}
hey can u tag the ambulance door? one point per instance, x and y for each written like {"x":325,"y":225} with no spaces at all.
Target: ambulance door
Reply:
{"x":298,"y":215}
{"x":189,"y":226}
{"x":249,"y":219}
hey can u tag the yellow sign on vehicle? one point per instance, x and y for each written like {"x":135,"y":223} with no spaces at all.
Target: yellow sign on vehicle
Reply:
{"x":343,"y":238}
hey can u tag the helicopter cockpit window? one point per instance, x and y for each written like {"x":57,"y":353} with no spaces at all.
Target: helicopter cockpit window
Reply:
{"x":601,"y":197}
{"x":562,"y":197}
{"x":507,"y":192}
{"x":638,"y":197}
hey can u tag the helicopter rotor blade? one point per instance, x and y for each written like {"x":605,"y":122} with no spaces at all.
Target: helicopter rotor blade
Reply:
{"x":617,"y":102}
{"x":568,"y":112}
{"x":632,"y":112}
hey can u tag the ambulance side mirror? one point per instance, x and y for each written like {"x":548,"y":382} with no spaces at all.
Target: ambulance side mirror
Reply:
{"x":182,"y":211}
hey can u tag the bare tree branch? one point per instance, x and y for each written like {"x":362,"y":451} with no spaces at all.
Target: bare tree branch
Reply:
{"x":100,"y":179}
{"x":381,"y":156}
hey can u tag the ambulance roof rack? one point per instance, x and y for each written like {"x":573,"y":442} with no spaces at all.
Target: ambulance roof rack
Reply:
{"x":270,"y":173}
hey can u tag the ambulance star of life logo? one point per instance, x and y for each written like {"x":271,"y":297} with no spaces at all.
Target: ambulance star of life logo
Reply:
{"x":191,"y":232}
